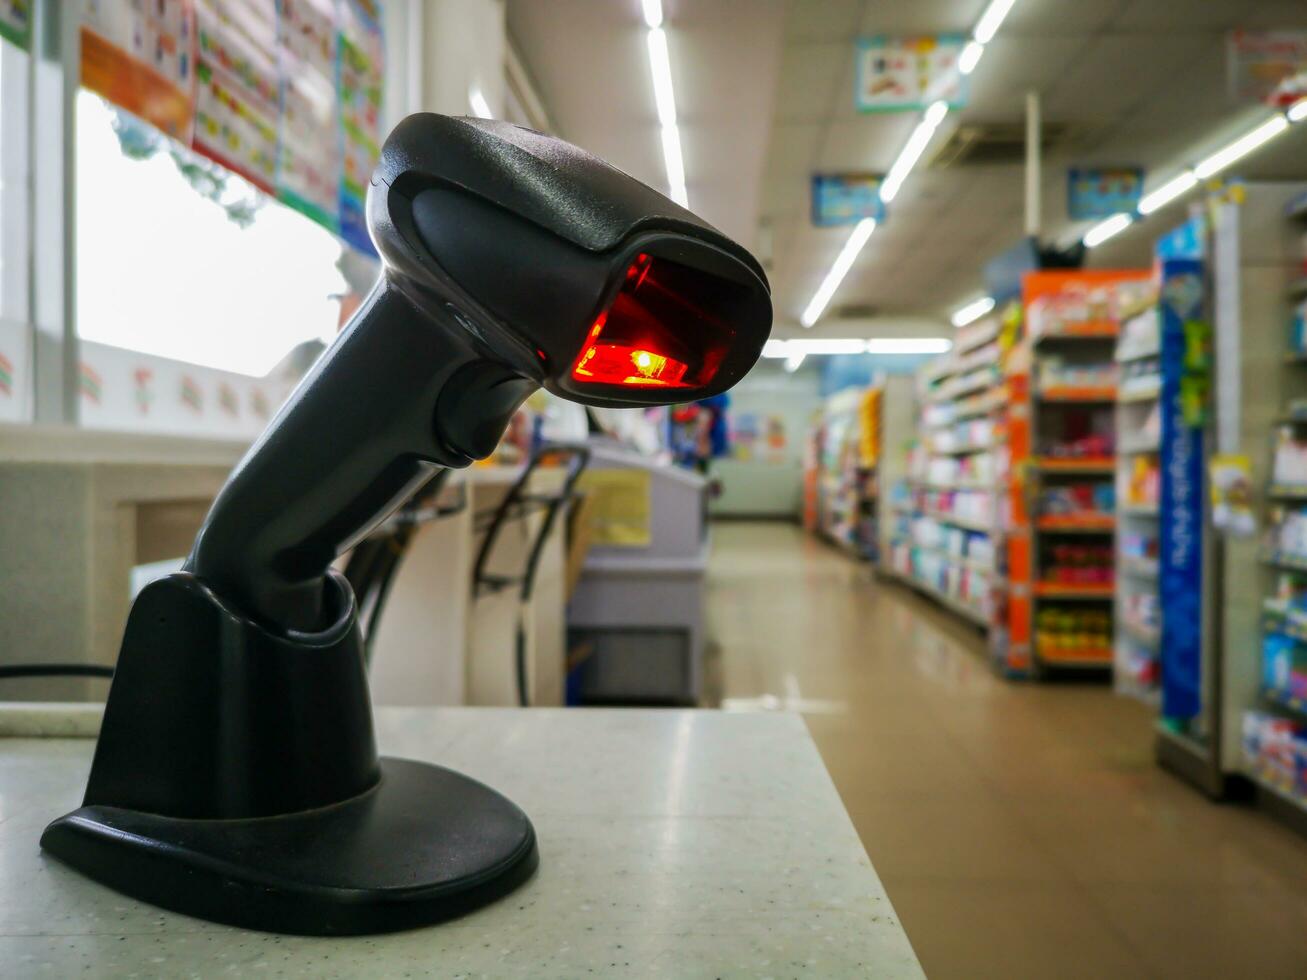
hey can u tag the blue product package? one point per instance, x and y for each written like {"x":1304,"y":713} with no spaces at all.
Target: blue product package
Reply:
{"x":1277,"y":660}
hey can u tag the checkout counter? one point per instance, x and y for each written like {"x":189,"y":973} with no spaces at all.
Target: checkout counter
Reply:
{"x":83,"y":510}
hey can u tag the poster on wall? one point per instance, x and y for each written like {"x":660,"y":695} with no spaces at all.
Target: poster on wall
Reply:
{"x":237,"y":100}
{"x":359,"y":52}
{"x":285,"y":93}
{"x":845,"y":199}
{"x":1267,"y":66}
{"x":16,"y":22}
{"x":896,"y":74}
{"x":308,"y":156}
{"x":1100,"y":192}
{"x":142,"y":57}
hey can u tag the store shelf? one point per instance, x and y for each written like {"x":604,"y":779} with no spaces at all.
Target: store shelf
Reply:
{"x":958,"y":561}
{"x":1077,"y":523}
{"x":1282,"y":491}
{"x":981,"y":405}
{"x":1089,"y":658}
{"x":1080,"y":592}
{"x":1140,"y":354}
{"x":1149,"y":638}
{"x":1139,"y":510}
{"x":963,"y":609}
{"x":967,"y":524}
{"x":1296,"y":357}
{"x":955,"y":390}
{"x":1140,"y":568}
{"x":1139,"y":447}
{"x":1284,"y":796}
{"x":1145,"y":389}
{"x":1283,"y":699}
{"x":966,"y":449}
{"x":1078,"y":393}
{"x":1286,"y":622}
{"x":1085,"y":330}
{"x":1088,"y":464}
{"x":1282,"y":559}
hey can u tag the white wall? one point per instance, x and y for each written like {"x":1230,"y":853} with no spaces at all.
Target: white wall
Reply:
{"x":463,"y":47}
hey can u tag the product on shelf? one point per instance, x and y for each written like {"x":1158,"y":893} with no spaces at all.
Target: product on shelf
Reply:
{"x":1144,"y":482}
{"x":1140,"y":336}
{"x":1079,"y":563}
{"x":1077,"y":498}
{"x":1286,"y":533}
{"x":1055,"y":371}
{"x":1095,"y":445}
{"x":1289,"y":466}
{"x":1140,"y":376}
{"x":1068,"y":632}
{"x":1284,"y":665}
{"x":1138,"y":546}
{"x":1275,"y":750}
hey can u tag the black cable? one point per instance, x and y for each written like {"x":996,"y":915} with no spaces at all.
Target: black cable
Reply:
{"x":55,"y":670}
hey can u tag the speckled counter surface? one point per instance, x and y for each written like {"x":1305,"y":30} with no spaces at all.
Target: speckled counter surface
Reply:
{"x":677,"y":844}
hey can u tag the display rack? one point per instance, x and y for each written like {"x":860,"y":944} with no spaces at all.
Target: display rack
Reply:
{"x":1138,"y":482}
{"x":843,"y":459}
{"x":947,"y":531}
{"x":1063,"y":392}
{"x":1273,"y":725}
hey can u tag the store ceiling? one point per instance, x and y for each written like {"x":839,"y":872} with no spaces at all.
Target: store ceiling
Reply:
{"x":764,"y":93}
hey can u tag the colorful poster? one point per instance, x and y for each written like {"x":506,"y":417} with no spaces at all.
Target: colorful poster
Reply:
{"x":141,"y":57}
{"x":1180,"y":552}
{"x":845,"y":199}
{"x":238,"y":98}
{"x":16,"y":22}
{"x":1100,"y":192}
{"x":359,"y":53}
{"x":895,"y":74}
{"x":308,"y":156}
{"x":1267,"y":66}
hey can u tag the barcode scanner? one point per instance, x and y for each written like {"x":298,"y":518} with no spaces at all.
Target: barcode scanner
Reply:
{"x":236,"y":777}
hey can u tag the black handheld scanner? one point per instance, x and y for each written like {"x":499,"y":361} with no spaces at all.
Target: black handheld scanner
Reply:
{"x":512,"y":260}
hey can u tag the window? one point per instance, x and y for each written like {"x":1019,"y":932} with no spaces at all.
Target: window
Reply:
{"x":200,"y":268}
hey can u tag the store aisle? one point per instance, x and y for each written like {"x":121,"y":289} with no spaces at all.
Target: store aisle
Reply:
{"x":1021,"y":830}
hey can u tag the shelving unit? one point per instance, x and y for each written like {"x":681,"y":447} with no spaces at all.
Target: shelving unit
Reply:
{"x":845,"y":456}
{"x":1273,"y":723}
{"x":1063,"y":391}
{"x":1136,"y":668}
{"x":947,"y":530}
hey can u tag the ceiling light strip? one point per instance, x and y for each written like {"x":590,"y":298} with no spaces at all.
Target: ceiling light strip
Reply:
{"x":972,"y":311}
{"x":660,"y":68}
{"x":817,"y":305}
{"x":801,"y":347}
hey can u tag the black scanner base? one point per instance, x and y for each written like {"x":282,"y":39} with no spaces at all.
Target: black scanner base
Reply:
{"x":237,"y":779}
{"x":423,"y":845}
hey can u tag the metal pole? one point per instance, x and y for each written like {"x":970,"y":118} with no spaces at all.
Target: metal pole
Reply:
{"x":1032,"y":164}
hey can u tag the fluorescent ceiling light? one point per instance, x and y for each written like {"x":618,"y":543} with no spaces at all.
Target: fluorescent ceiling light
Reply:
{"x":793,"y":362}
{"x":672,"y":160}
{"x":660,"y":67}
{"x":1168,"y":192}
{"x":991,"y":20}
{"x":1241,"y":147}
{"x":912,"y":150}
{"x":817,"y":305}
{"x":1298,"y":111}
{"x":801,"y":347}
{"x":970,"y":57}
{"x":909,"y":345}
{"x":972,"y":311}
{"x":1104,"y":230}
{"x":477,"y":101}
{"x":653,"y":13}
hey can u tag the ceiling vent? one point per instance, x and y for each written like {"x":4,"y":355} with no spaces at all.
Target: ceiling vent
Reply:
{"x":990,"y":144}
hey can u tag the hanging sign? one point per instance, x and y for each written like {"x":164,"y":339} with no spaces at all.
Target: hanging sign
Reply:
{"x":16,"y":22}
{"x":308,"y":155}
{"x":1267,"y":66}
{"x":845,"y":199}
{"x":895,"y":74}
{"x":142,"y":57}
{"x":1100,"y":192}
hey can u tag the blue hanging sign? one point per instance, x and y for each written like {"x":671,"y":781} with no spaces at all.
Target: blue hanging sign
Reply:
{"x":1100,"y":192}
{"x":1180,"y":511}
{"x":845,"y":199}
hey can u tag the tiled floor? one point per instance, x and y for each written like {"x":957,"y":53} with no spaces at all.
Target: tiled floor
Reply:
{"x":1021,"y":830}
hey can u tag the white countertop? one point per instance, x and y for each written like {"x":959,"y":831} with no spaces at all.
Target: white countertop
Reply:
{"x":672,"y":844}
